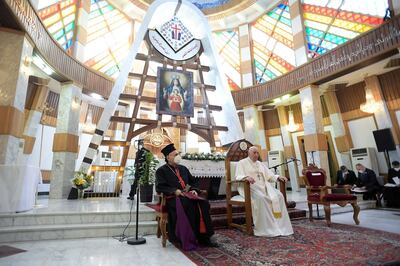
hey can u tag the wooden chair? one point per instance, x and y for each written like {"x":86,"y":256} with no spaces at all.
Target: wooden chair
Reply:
{"x":318,"y":193}
{"x":237,"y":151}
{"x":162,"y":216}
{"x":162,"y":219}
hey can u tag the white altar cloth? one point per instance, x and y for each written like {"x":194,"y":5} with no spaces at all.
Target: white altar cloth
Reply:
{"x":205,"y":168}
{"x":18,"y":187}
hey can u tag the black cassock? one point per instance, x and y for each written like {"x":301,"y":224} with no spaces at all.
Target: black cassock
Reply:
{"x":167,"y":182}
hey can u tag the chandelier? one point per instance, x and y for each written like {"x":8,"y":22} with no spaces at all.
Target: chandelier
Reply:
{"x":89,"y":126}
{"x":370,"y":105}
{"x":291,"y":126}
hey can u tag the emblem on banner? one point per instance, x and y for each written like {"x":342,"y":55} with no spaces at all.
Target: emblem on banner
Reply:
{"x":175,"y":33}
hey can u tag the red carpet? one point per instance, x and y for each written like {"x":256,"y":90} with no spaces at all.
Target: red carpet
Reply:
{"x":311,"y":244}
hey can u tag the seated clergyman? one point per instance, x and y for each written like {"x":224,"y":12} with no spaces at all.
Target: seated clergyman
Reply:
{"x":189,"y":220}
{"x":270,"y":216}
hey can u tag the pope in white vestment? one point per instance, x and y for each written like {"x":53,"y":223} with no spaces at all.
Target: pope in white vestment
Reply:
{"x":270,"y":216}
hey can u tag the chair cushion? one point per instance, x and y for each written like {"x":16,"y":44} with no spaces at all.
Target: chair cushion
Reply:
{"x":233,"y":170}
{"x":233,"y":175}
{"x":338,"y":197}
{"x":316,"y":178}
{"x":237,"y":198}
{"x":159,"y":208}
{"x":313,"y":197}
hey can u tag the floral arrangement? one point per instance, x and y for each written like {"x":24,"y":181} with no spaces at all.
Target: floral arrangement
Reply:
{"x":82,"y":180}
{"x":204,"y":156}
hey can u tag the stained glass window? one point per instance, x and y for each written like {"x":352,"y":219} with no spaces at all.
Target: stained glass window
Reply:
{"x":332,"y":23}
{"x":109,"y":38}
{"x":273,"y":44}
{"x":59,"y":19}
{"x":227,"y":43}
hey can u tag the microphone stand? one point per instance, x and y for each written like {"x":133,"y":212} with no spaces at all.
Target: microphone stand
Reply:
{"x":137,"y":240}
{"x":275,"y":167}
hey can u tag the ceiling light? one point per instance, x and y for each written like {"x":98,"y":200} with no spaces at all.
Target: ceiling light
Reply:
{"x":96,"y":96}
{"x":291,"y":126}
{"x":370,"y":105}
{"x":40,"y":63}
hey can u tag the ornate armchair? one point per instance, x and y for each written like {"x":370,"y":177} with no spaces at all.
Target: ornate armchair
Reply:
{"x":318,"y":193}
{"x":162,"y":216}
{"x":237,"y":151}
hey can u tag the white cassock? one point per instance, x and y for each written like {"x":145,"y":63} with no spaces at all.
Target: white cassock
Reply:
{"x":270,"y":216}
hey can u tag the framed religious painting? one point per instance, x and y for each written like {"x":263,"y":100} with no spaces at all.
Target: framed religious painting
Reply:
{"x":174,"y":92}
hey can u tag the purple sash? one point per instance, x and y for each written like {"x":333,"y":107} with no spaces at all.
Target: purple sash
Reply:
{"x":183,"y":230}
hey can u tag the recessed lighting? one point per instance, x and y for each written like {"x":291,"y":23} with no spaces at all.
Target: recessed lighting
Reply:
{"x":96,"y":96}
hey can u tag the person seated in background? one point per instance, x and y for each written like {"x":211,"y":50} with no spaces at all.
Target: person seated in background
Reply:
{"x":367,"y":180}
{"x":345,"y":176}
{"x":189,"y":220}
{"x":391,"y":193}
{"x":394,"y":172}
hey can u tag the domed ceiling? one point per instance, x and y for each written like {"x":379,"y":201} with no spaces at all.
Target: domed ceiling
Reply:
{"x":214,"y":7}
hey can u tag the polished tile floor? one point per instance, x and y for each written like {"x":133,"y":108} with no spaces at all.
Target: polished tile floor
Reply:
{"x":109,"y":251}
{"x":95,"y":252}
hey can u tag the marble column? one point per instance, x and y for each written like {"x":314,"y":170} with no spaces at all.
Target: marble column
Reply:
{"x":342,"y":140}
{"x":66,"y":139}
{"x":299,"y":43}
{"x":315,"y":142}
{"x":246,"y":64}
{"x":382,"y":115}
{"x":82,"y":22}
{"x":34,"y":113}
{"x":254,"y":128}
{"x":288,"y":148}
{"x":15,"y":53}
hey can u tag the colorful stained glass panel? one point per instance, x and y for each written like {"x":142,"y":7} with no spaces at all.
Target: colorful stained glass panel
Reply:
{"x":273,"y":44}
{"x":332,"y":23}
{"x":109,"y":37}
{"x":227,"y":43}
{"x":59,"y":19}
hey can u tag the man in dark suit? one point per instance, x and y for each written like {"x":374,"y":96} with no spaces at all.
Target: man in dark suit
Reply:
{"x":394,"y":172}
{"x":367,"y":179}
{"x":345,"y":176}
{"x":392,"y":194}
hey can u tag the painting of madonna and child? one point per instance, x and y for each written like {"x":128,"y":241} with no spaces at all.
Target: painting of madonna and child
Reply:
{"x":174,"y":92}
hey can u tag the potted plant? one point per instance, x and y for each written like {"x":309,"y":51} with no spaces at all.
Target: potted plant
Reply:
{"x":147,"y":177}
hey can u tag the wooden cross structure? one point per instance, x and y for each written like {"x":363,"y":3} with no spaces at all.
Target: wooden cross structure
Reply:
{"x":205,"y":130}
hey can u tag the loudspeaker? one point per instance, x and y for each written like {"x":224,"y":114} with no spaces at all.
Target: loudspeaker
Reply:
{"x":384,"y":140}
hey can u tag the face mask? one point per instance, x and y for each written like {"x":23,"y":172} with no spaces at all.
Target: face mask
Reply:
{"x":361,"y":171}
{"x":177,"y":159}
{"x":396,"y":169}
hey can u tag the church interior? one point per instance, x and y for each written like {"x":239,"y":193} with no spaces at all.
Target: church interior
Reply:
{"x":93,"y":91}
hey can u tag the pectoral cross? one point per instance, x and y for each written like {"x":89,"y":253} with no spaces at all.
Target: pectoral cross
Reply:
{"x":259,"y":176}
